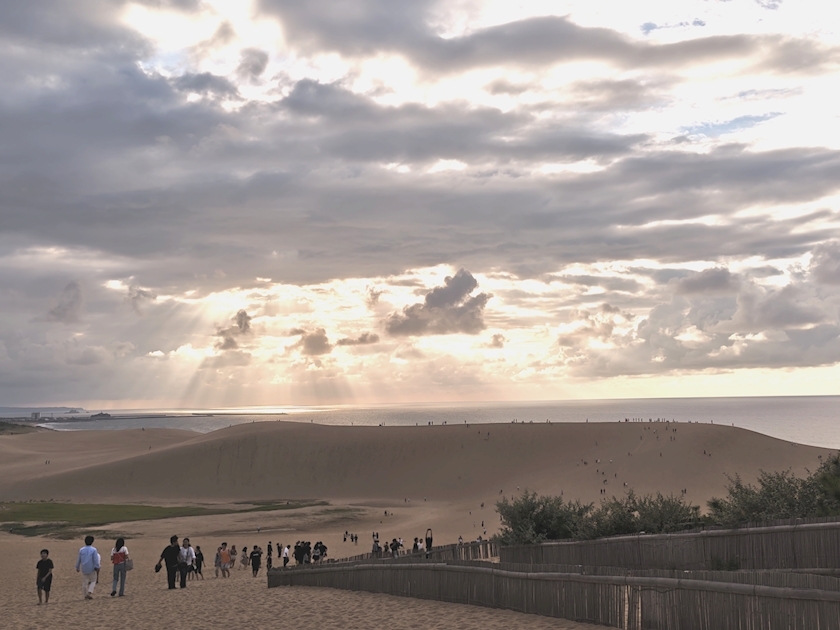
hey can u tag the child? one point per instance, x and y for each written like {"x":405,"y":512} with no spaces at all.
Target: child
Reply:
{"x":44,"y":578}
{"x":199,"y":562}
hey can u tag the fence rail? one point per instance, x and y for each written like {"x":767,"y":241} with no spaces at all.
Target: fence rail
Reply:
{"x":623,"y":601}
{"x":482,"y":550}
{"x":795,"y":546}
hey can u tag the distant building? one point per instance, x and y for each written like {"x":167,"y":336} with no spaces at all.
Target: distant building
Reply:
{"x":36,"y":415}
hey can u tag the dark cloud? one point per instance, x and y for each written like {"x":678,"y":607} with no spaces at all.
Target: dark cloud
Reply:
{"x":205,"y":83}
{"x":138,"y":297}
{"x":241,"y":326}
{"x":709,"y":281}
{"x":446,"y":309}
{"x":315,"y":343}
{"x":497,"y":341}
{"x":610,"y":283}
{"x":253,"y":63}
{"x":372,"y":297}
{"x":364,"y":339}
{"x":374,"y":26}
{"x":69,"y":306}
{"x":242,"y":321}
{"x":825,"y":263}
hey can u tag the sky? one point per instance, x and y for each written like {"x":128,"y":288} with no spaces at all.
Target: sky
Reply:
{"x":208,"y":203}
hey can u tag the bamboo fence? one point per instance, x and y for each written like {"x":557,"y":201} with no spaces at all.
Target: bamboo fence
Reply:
{"x":793,"y":546}
{"x":623,"y":601}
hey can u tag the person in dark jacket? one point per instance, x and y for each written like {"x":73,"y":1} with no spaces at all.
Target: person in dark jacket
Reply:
{"x":169,"y":558}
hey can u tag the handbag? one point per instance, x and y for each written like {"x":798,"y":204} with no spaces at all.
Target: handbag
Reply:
{"x":129,"y":564}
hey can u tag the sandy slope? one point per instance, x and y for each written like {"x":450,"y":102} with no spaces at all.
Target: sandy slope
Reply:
{"x":389,"y":464}
{"x":446,"y":472}
{"x":237,"y":602}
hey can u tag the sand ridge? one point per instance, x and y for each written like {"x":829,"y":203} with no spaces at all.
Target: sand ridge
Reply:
{"x":453,"y":463}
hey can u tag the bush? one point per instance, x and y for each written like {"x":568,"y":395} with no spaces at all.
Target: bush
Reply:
{"x":780,"y":495}
{"x":532,"y":519}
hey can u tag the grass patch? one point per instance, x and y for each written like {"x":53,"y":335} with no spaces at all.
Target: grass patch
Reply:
{"x":65,"y":520}
{"x":13,"y":428}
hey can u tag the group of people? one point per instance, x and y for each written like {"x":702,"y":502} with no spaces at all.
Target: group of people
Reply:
{"x":305,"y":553}
{"x":89,"y":564}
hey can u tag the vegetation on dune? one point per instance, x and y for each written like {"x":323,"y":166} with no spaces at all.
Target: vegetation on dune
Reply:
{"x":15,"y":428}
{"x":530,"y":518}
{"x":64,"y":520}
{"x":780,"y":495}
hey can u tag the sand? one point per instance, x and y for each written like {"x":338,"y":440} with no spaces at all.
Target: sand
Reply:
{"x":238,"y":602}
{"x":422,"y":477}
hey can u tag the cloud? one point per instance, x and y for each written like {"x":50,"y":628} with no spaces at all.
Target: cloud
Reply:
{"x":206,"y":84}
{"x":69,"y":305}
{"x":89,"y":355}
{"x":497,"y":341}
{"x":232,"y":358}
{"x":253,"y":63}
{"x":138,"y":297}
{"x":364,"y":339}
{"x":709,"y":281}
{"x":446,"y":309}
{"x":313,"y":344}
{"x":825,"y":263}
{"x":241,"y":326}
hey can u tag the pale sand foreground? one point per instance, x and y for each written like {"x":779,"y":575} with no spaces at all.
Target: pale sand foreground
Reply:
{"x":238,"y":602}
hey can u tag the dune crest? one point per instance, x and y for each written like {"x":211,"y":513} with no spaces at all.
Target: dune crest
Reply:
{"x":443,"y":463}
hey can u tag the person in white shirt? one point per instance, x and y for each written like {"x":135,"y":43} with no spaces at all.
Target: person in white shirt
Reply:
{"x":285,"y":555}
{"x":186,"y":559}
{"x":119,"y":558}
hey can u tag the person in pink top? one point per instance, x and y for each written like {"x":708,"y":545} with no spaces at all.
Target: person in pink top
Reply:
{"x":119,"y":556}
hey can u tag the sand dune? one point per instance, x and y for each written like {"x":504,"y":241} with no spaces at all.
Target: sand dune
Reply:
{"x":362,"y":471}
{"x":441,"y":463}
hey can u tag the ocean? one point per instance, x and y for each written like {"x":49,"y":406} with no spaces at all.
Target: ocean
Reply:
{"x":813,"y":420}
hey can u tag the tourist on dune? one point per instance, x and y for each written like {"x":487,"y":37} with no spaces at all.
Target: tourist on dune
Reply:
{"x":256,"y":560}
{"x":233,"y":554}
{"x":224,"y":558}
{"x":199,"y":562}
{"x":169,"y":558}
{"x":88,"y":564}
{"x":186,"y":561}
{"x":43,"y":580}
{"x":119,"y":558}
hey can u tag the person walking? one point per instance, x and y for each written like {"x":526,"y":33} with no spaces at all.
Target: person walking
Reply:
{"x":119,"y":558}
{"x":169,"y":557}
{"x":224,"y":556}
{"x":199,"y":562}
{"x":88,"y":565}
{"x":43,"y":580}
{"x":186,"y":559}
{"x":256,"y":560}
{"x":285,"y":555}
